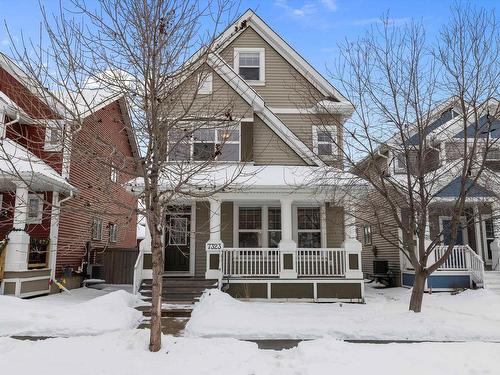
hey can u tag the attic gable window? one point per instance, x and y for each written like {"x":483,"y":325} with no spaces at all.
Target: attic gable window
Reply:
{"x":325,"y":141}
{"x":205,"y":84}
{"x":250,"y":64}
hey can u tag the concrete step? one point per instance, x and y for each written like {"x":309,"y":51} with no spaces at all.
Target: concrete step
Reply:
{"x":168,"y":312}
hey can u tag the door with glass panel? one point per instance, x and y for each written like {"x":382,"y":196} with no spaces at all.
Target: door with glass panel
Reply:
{"x":178,"y":239}
{"x":489,"y":237}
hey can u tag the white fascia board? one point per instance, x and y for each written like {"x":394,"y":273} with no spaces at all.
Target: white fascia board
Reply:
{"x":258,"y":104}
{"x":283,"y":48}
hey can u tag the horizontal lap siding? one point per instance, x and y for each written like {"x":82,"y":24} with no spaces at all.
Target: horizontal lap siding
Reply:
{"x":268,"y":148}
{"x":97,"y":195}
{"x":285,"y":86}
{"x":334,"y":226}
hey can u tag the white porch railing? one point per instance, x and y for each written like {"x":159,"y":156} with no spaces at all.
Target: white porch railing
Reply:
{"x":138,"y":266}
{"x":247,"y":262}
{"x":321,"y":262}
{"x":265,"y":262}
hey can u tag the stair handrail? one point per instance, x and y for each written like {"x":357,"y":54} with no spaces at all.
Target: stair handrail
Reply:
{"x":476,"y":265}
{"x":138,"y":266}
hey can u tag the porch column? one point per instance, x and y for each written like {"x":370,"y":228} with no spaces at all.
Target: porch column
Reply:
{"x":495,"y":245}
{"x":54,"y":232}
{"x":287,"y":246}
{"x":214,"y":246}
{"x":477,"y":231}
{"x":351,"y":245}
{"x":16,"y":257}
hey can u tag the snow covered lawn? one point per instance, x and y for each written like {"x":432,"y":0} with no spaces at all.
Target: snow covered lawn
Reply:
{"x":126,"y":353}
{"x":85,"y":311}
{"x":473,"y":315}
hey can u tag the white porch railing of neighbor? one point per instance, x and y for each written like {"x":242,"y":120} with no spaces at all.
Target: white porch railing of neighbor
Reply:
{"x":247,"y":262}
{"x":138,"y":266}
{"x":321,"y":262}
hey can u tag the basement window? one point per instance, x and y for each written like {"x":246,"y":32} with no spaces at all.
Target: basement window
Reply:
{"x":250,"y":64}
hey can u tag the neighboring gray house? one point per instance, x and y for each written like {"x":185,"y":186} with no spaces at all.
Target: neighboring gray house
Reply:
{"x":269,"y":236}
{"x":474,"y":252}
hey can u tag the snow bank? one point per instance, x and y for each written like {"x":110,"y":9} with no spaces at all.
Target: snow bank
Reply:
{"x":67,"y":315}
{"x":126,"y":353}
{"x":471,"y":315}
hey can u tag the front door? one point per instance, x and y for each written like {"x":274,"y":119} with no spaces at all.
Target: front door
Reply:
{"x":177,"y":240}
{"x":445,"y":224}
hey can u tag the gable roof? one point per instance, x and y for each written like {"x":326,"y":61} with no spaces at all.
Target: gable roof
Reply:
{"x":250,"y":18}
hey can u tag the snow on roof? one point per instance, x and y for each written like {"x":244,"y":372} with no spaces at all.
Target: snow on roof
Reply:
{"x":257,"y":178}
{"x":16,"y":162}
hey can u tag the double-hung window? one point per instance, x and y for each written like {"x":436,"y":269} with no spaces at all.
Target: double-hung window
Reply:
{"x":53,"y":135}
{"x":309,"y":227}
{"x":113,"y":232}
{"x":367,"y":235}
{"x":250,"y":227}
{"x":35,"y":209}
{"x":114,"y":173}
{"x":97,"y":229}
{"x":250,"y":64}
{"x":325,"y":141}
{"x":400,"y":163}
{"x":210,"y":143}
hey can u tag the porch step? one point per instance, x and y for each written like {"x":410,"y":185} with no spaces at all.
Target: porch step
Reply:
{"x":182,"y":290}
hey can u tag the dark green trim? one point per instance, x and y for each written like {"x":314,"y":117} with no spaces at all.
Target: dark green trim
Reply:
{"x":288,"y":261}
{"x":147,"y":262}
{"x":339,"y":290}
{"x":292,"y":290}
{"x":353,"y":262}
{"x":214,"y":261}
{"x":246,"y":290}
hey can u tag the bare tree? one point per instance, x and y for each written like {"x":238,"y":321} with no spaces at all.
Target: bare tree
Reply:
{"x":402,"y":86}
{"x":157,"y":56}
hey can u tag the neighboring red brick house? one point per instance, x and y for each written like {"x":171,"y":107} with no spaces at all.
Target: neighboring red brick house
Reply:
{"x":59,"y":204}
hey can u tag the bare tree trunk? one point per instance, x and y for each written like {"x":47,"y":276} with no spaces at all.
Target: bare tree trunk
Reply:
{"x":417,"y":293}
{"x":156,"y":292}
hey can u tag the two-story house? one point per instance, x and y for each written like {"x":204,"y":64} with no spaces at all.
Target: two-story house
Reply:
{"x":480,"y":225}
{"x":275,"y":233}
{"x":54,"y":210}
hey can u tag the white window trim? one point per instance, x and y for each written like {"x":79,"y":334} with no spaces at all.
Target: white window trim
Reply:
{"x":114,"y":173}
{"x":49,"y":145}
{"x":38,"y":218}
{"x":192,"y":142}
{"x":262,"y":64}
{"x":3,"y":128}
{"x":365,"y":237}
{"x":396,"y":166}
{"x":205,"y":83}
{"x":335,"y":149}
{"x":113,"y":234}
{"x":97,"y":235}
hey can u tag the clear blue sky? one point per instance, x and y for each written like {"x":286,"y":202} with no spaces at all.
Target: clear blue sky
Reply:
{"x":312,"y":27}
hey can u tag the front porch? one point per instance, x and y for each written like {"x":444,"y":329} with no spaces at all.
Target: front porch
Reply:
{"x":280,"y":246}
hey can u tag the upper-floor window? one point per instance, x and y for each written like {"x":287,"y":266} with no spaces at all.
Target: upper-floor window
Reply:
{"x":400,"y":163}
{"x":114,"y":173}
{"x":35,"y":209}
{"x":250,"y":64}
{"x":113,"y":232}
{"x":220,"y":144}
{"x":325,"y":141}
{"x":493,"y":154}
{"x":97,"y":229}
{"x":205,"y":83}
{"x":53,"y":136}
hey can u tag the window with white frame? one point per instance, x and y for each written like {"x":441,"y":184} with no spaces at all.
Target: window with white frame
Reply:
{"x":114,"y":173}
{"x":53,"y":136}
{"x":493,"y":154}
{"x":308,"y":227}
{"x":113,"y":232}
{"x":205,"y":83}
{"x":250,"y":227}
{"x":250,"y":64}
{"x":217,"y":143}
{"x":97,"y":229}
{"x":274,"y":226}
{"x":400,"y":163}
{"x":367,"y":235}
{"x":325,"y":141}
{"x":35,"y":209}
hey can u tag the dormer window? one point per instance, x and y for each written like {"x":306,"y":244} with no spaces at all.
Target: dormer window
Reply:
{"x":325,"y":141}
{"x":250,"y":64}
